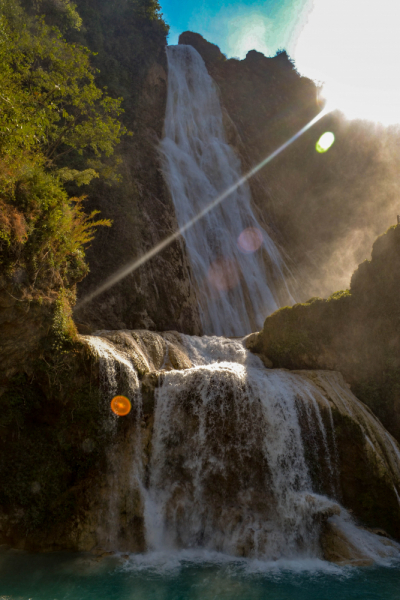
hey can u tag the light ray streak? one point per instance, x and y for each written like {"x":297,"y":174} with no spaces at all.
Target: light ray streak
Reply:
{"x":134,"y":265}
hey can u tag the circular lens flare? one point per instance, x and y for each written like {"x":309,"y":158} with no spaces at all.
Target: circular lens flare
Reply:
{"x":120,"y":406}
{"x":250,"y":240}
{"x":325,"y":142}
{"x":223,"y":274}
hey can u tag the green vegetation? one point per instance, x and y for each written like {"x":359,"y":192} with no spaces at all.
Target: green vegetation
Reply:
{"x":52,"y":116}
{"x":124,"y":36}
{"x":64,"y":109}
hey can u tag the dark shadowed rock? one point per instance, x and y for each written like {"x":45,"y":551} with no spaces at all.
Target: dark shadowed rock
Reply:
{"x":356,"y":332}
{"x":323,"y":209}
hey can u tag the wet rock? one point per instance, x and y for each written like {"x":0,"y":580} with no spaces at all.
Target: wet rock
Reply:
{"x":250,"y":341}
{"x":337,"y":548}
{"x":354,"y":331}
{"x":26,"y":319}
{"x":149,"y":351}
{"x":158,"y":295}
{"x":322,"y":510}
{"x":150,"y":382}
{"x":88,"y":445}
{"x":84,"y":328}
{"x":268,"y":364}
{"x":380,"y":532}
{"x":366,"y":456}
{"x":36,"y":487}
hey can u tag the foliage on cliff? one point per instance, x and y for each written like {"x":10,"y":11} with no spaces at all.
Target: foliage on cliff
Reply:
{"x":355,"y":331}
{"x":129,"y":39}
{"x":125,"y":37}
{"x":51,"y":109}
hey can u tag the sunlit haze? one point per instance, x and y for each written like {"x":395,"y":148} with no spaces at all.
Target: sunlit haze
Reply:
{"x":349,"y":46}
{"x":353,"y":46}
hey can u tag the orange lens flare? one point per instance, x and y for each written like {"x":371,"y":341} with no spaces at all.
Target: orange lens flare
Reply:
{"x":120,"y":406}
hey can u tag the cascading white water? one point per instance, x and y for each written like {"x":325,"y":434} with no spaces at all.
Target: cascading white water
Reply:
{"x":235,"y":458}
{"x":124,"y":472}
{"x":260,"y":461}
{"x":228,"y":470}
{"x":114,"y":367}
{"x":236,"y":265}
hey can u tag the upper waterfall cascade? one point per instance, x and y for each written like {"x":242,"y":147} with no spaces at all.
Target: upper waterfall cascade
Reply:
{"x":239,"y":459}
{"x":237,"y":268}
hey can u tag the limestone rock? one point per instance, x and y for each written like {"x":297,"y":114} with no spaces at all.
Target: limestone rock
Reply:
{"x":355,"y":332}
{"x":26,"y":318}
{"x":351,"y":458}
{"x":337,"y":548}
{"x":267,"y":102}
{"x":160,"y":294}
{"x":268,"y":364}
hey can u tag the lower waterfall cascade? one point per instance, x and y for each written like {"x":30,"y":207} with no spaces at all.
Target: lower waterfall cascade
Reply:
{"x":243,"y":459}
{"x":238,"y":270}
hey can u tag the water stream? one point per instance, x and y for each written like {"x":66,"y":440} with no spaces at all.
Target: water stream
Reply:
{"x":237,"y":268}
{"x":228,"y":501}
{"x":188,"y":576}
{"x":227,"y":470}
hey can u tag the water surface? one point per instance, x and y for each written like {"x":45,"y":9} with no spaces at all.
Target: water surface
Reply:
{"x":187,"y":576}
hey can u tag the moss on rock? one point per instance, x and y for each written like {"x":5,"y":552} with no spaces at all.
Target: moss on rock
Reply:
{"x":356,"y":332}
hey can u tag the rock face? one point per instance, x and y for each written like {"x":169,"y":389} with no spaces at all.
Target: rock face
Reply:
{"x":130,"y":55}
{"x":333,"y":195}
{"x":199,"y":447}
{"x":72,"y":478}
{"x":355,"y":332}
{"x":367,"y":456}
{"x":25,"y":322}
{"x":159,"y":295}
{"x":265,"y":101}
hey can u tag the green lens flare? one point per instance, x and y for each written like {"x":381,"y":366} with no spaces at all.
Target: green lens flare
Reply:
{"x":325,"y":142}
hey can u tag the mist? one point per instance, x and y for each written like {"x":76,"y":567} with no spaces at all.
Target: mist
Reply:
{"x":323,"y":209}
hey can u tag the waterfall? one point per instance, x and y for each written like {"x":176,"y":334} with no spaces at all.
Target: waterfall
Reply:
{"x":228,"y":470}
{"x":123,"y":475}
{"x":238,"y":270}
{"x":230,"y":456}
{"x":115,"y":367}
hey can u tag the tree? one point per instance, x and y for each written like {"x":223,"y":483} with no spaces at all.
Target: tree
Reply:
{"x":50,"y":108}
{"x":57,"y":106}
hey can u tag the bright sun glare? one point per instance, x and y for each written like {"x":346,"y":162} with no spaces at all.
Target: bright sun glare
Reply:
{"x":353,"y":46}
{"x":249,"y":32}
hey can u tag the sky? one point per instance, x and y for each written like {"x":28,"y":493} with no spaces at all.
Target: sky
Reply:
{"x":352,"y":47}
{"x":237,"y":27}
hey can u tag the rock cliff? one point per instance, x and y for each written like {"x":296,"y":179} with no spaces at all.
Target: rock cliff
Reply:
{"x":324,"y":209}
{"x":91,"y":490}
{"x":355,"y":331}
{"x":26,"y":320}
{"x":159,"y":295}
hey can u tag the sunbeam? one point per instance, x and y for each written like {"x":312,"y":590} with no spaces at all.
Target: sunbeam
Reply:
{"x":134,"y":265}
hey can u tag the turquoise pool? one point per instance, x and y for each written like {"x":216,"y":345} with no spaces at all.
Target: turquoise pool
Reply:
{"x":187,"y":576}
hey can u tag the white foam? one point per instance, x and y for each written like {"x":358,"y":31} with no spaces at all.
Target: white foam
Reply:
{"x":199,"y":164}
